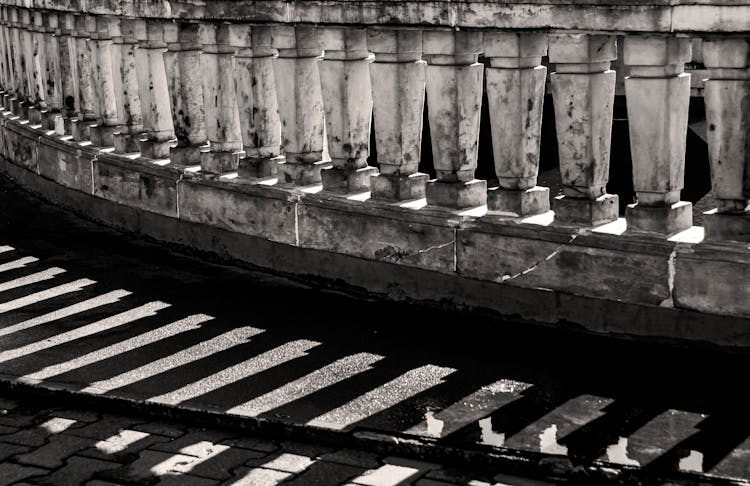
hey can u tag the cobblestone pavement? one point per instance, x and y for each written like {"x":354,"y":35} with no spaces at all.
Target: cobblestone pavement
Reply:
{"x":66,"y":447}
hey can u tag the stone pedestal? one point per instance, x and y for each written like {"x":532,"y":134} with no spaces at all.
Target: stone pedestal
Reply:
{"x":80,"y":129}
{"x":220,"y":162}
{"x":518,"y":202}
{"x":301,"y":174}
{"x":726,"y":226}
{"x":35,"y":116}
{"x":589,"y":212}
{"x":458,"y":195}
{"x":347,"y":180}
{"x":102,"y":135}
{"x":125,"y":142}
{"x":398,"y":187}
{"x":662,"y":220}
{"x":259,"y":167}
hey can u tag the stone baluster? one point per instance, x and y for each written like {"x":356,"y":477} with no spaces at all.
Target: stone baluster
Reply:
{"x":52,"y":118}
{"x":68,"y":70}
{"x":18,"y":104}
{"x":257,"y":103}
{"x":515,"y":92}
{"x":727,"y":98}
{"x":297,"y":76}
{"x":454,"y":97}
{"x":398,"y":92}
{"x":220,"y":101}
{"x":87,"y":102}
{"x":158,"y":131}
{"x":37,"y":34}
{"x":658,"y":97}
{"x":32,"y":88}
{"x":102,"y":134}
{"x":184,"y":75}
{"x":583,"y":92}
{"x":124,"y":43}
{"x":347,"y":100}
{"x":8,"y":58}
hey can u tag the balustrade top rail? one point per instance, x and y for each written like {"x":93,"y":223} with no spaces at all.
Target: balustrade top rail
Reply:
{"x":597,"y":15}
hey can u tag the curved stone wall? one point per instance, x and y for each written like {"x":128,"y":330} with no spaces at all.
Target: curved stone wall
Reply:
{"x":600,"y":281}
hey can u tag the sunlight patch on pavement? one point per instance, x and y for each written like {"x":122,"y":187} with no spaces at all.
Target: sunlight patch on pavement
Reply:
{"x":45,"y":295}
{"x":120,"y":319}
{"x":104,"y":299}
{"x":183,"y":325}
{"x":328,"y":375}
{"x":257,"y":364}
{"x":188,"y":355}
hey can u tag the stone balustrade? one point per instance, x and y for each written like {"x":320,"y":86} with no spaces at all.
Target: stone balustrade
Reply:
{"x":257,"y":118}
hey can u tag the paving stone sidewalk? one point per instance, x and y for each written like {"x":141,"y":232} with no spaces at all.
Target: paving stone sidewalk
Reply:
{"x":66,"y":447}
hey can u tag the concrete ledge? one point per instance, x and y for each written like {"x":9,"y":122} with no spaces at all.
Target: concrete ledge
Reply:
{"x":560,"y":276}
{"x":139,"y":184}
{"x":245,"y":209}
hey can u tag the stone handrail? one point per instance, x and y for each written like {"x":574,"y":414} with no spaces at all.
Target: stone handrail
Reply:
{"x":254,"y":118}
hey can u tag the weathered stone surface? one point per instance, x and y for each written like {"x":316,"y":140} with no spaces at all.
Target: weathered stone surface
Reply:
{"x":458,"y":195}
{"x":560,"y":261}
{"x":245,"y":209}
{"x":694,"y":289}
{"x":21,"y":146}
{"x":65,"y":164}
{"x":588,"y":212}
{"x":729,"y":227}
{"x":663,"y":220}
{"x":376,"y":236}
{"x":77,"y":470}
{"x":146,"y":188}
{"x":522,"y":202}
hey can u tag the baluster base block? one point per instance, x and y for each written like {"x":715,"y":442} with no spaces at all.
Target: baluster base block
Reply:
{"x":346,"y":181}
{"x":301,"y":174}
{"x":259,"y":167}
{"x":35,"y":116}
{"x":154,"y":149}
{"x":20,"y":108}
{"x":726,"y":227}
{"x":50,"y":119}
{"x":102,"y":135}
{"x":662,"y":220}
{"x":5,"y":100}
{"x":589,"y":212}
{"x":391,"y":187}
{"x":186,"y":155}
{"x":80,"y":129}
{"x":457,"y":195}
{"x":220,"y":162}
{"x":126,"y":142}
{"x":518,"y":203}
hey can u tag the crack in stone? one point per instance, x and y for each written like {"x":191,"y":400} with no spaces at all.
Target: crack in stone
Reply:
{"x":435,"y":247}
{"x":533,"y":267}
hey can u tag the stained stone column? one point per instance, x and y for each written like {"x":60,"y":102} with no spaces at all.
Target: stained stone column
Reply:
{"x":300,"y":104}
{"x":727,"y":97}
{"x":68,"y":70}
{"x":454,"y":97}
{"x":583,"y":92}
{"x":347,"y":100}
{"x":184,"y":76}
{"x":18,"y":104}
{"x":658,"y":95}
{"x":52,"y":118}
{"x":220,"y":101}
{"x":128,"y":106}
{"x":158,"y":132}
{"x":398,"y":87}
{"x":515,"y":92}
{"x":87,"y":102}
{"x":104,"y":83}
{"x":37,"y":35}
{"x":32,"y":87}
{"x":9,"y":86}
{"x":256,"y":99}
